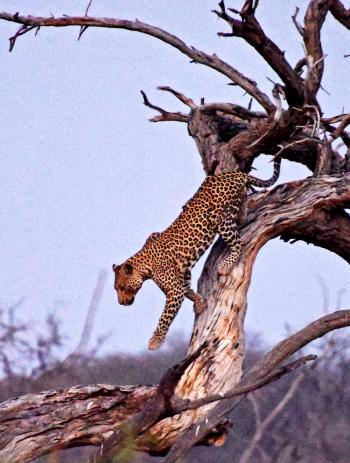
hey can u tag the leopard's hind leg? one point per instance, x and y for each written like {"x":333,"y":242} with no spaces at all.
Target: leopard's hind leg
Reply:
{"x":199,"y":304}
{"x":228,"y":231}
{"x":243,"y":210}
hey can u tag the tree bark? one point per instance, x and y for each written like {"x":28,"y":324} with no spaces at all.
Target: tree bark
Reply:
{"x":35,"y":424}
{"x":81,"y":416}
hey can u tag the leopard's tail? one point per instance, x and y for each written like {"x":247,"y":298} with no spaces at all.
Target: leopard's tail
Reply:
{"x":266,"y":183}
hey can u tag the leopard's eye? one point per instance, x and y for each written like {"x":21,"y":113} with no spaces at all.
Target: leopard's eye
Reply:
{"x":122,"y":288}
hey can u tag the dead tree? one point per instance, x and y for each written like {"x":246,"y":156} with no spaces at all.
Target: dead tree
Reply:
{"x":191,"y":403}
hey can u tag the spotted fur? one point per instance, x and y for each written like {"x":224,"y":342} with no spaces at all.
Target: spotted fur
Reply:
{"x":167,"y":257}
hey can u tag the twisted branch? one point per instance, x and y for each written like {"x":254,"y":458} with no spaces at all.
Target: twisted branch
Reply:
{"x":197,"y":56}
{"x":282,"y":351}
{"x":165,"y":115}
{"x":251,"y":31}
{"x":340,"y":13}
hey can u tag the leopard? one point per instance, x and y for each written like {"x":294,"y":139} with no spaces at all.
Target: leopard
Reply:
{"x":167,"y":257}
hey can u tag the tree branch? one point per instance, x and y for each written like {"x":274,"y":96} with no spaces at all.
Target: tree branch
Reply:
{"x":251,"y":31}
{"x":180,"y":406}
{"x":165,"y":115}
{"x":197,"y":56}
{"x":164,"y":404}
{"x":313,"y":21}
{"x":234,"y":109}
{"x":287,"y":206}
{"x":329,"y":229}
{"x":296,"y":24}
{"x":281,"y":352}
{"x":180,"y":96}
{"x":339,"y":131}
{"x":36,"y":424}
{"x":340,"y":13}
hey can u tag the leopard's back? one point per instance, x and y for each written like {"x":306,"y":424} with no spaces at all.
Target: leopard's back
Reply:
{"x":188,"y":237}
{"x":167,"y":257}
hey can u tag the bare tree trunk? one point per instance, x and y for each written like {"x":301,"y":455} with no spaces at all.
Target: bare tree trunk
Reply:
{"x":35,"y":424}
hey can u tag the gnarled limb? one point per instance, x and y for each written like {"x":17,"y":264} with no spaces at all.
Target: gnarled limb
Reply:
{"x":251,"y":31}
{"x":198,"y":56}
{"x":164,"y":115}
{"x":301,"y":199}
{"x":36,"y":424}
{"x":313,"y":21}
{"x":340,"y":13}
{"x":283,"y":350}
{"x":88,"y":414}
{"x":329,"y":229}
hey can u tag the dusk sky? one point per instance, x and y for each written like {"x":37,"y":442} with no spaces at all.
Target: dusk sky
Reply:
{"x":85,"y":177}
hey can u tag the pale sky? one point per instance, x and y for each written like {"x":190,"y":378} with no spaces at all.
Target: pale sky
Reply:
{"x":85,"y":178}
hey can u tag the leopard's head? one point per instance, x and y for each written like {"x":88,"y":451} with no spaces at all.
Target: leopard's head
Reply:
{"x":128,"y":280}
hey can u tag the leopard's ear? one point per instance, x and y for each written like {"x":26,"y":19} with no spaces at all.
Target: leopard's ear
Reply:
{"x":115,"y":268}
{"x":128,"y":268}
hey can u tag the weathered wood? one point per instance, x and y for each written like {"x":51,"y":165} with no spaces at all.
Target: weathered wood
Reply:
{"x":220,"y":366}
{"x":35,"y":424}
{"x":75,"y":416}
{"x":314,"y":330}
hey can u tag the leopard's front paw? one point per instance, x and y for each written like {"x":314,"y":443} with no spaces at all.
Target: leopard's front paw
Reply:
{"x":155,"y":342}
{"x":199,"y":306}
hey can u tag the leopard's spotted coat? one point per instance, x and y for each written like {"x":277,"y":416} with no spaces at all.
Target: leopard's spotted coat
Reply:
{"x":167,"y":257}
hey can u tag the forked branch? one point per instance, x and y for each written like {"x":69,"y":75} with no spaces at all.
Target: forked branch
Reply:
{"x":251,"y":31}
{"x":164,"y":115}
{"x":102,"y":408}
{"x":269,"y":362}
